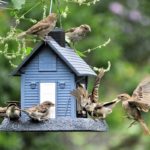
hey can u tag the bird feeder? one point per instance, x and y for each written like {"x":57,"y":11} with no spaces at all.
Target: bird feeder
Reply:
{"x":51,"y":72}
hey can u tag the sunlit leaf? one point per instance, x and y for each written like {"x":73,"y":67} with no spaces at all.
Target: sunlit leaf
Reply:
{"x":80,"y":53}
{"x":28,"y":50}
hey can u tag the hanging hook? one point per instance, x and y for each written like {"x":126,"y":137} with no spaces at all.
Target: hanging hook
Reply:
{"x":51,"y":5}
{"x":59,"y":11}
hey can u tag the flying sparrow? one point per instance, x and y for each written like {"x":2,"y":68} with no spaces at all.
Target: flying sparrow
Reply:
{"x":78,"y":33}
{"x":13,"y":112}
{"x":42,"y":28}
{"x":137,"y":103}
{"x":40,"y":112}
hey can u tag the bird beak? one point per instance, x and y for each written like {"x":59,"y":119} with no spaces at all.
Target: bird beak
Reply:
{"x":116,"y":99}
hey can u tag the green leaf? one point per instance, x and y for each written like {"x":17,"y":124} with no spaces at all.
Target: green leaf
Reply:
{"x":28,"y":50}
{"x":18,"y":3}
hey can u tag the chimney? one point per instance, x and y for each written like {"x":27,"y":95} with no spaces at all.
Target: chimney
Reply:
{"x":59,"y":36}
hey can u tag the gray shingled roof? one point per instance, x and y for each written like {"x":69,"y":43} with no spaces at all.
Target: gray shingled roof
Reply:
{"x":68,"y":55}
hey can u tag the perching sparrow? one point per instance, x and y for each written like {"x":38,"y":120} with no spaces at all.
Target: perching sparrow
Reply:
{"x":137,"y":103}
{"x":76,"y":34}
{"x":40,"y":112}
{"x":101,"y":110}
{"x":82,"y":97}
{"x":43,"y":27}
{"x":13,"y":112}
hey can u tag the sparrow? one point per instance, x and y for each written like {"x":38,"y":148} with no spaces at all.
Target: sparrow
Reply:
{"x":83,"y":99}
{"x":13,"y":112}
{"x":3,"y":111}
{"x":78,"y":33}
{"x":137,"y":103}
{"x":103,"y":109}
{"x":40,"y":112}
{"x":42,"y":28}
{"x":90,"y":102}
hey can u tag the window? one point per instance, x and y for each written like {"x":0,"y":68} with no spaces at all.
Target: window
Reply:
{"x":48,"y":93}
{"x":47,"y":61}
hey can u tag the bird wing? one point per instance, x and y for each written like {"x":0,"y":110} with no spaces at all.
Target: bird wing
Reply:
{"x":141,"y":95}
{"x":70,"y":30}
{"x":95,"y":91}
{"x":42,"y":109}
{"x":142,"y":92}
{"x":83,"y":91}
{"x":31,"y":109}
{"x":140,"y":105}
{"x":80,"y":93}
{"x":77,"y":94}
{"x":37,"y":28}
{"x":36,"y":112}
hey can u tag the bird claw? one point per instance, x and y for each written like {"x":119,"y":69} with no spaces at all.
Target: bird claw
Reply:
{"x":128,"y":117}
{"x":94,"y":118}
{"x":132,"y":123}
{"x":14,"y":120}
{"x":125,"y":116}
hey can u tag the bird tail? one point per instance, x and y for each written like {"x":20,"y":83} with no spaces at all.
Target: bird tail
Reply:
{"x":67,"y":39}
{"x":144,"y":126}
{"x":23,"y":110}
{"x":26,"y":112}
{"x":21,"y":35}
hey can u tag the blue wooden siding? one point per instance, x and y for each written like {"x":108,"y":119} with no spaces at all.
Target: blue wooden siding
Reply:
{"x":65,"y":102}
{"x":47,"y":61}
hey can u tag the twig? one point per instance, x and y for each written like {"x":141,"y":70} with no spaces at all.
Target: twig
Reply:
{"x":99,"y":46}
{"x":105,"y":70}
{"x":109,"y":66}
{"x":82,"y":3}
{"x":59,"y":11}
{"x":51,"y":5}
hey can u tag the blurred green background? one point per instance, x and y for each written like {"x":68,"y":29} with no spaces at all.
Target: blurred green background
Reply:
{"x":127,"y":24}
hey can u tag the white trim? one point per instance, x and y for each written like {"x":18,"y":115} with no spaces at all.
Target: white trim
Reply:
{"x":48,"y":93}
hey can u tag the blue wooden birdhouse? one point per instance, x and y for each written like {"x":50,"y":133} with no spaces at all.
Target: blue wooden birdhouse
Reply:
{"x":51,"y":72}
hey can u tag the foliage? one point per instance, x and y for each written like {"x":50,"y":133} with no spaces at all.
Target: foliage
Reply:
{"x":18,"y":4}
{"x":125,"y":22}
{"x":21,"y":49}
